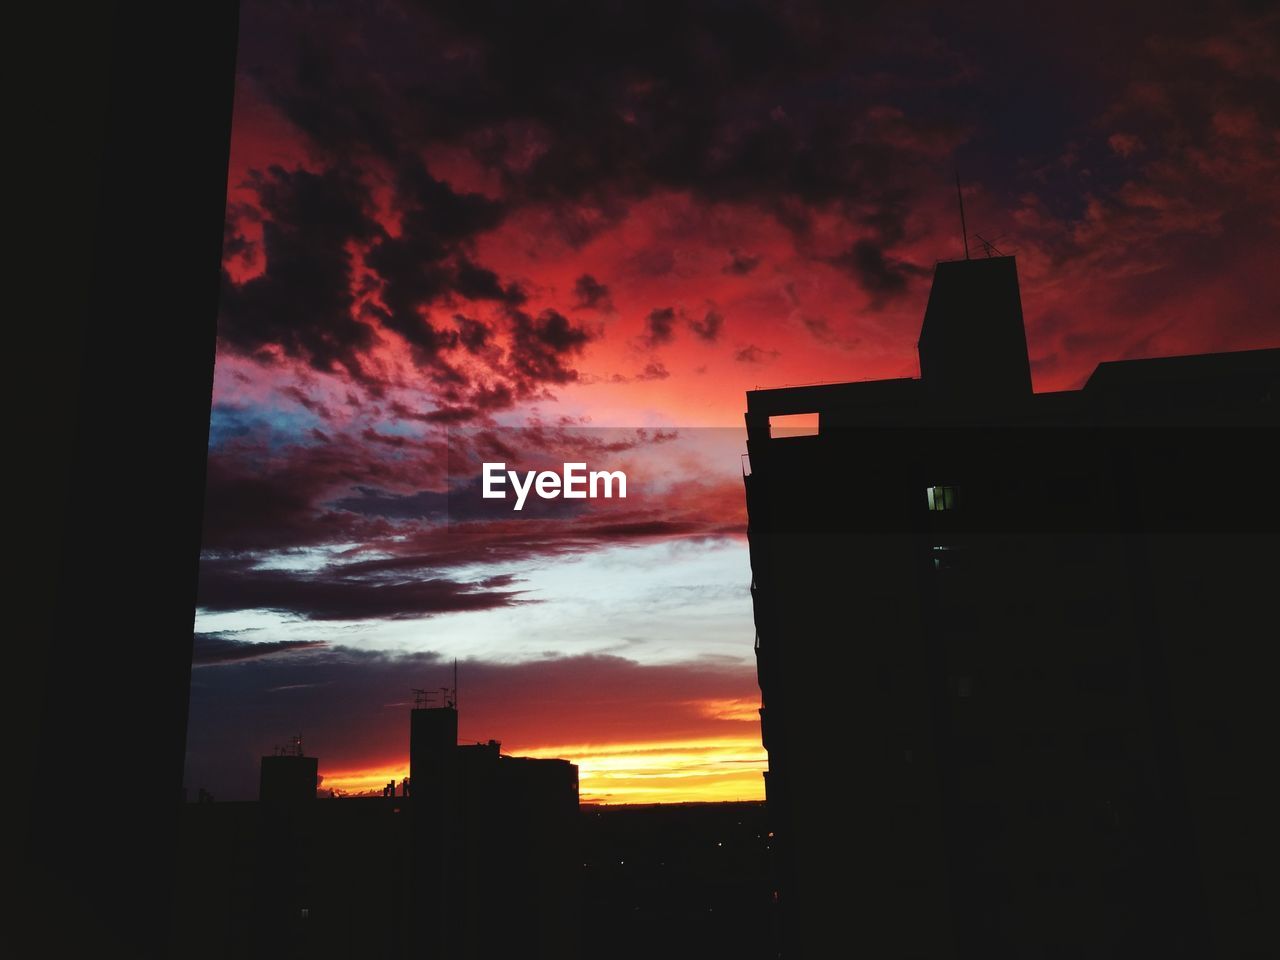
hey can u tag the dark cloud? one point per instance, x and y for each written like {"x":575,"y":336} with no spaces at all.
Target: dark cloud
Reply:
{"x":708,"y":328}
{"x":591,"y":294}
{"x":580,"y":109}
{"x":659,"y":327}
{"x":551,"y":530}
{"x":426,"y":262}
{"x":396,"y":441}
{"x":302,"y":302}
{"x":235,"y":245}
{"x":475,"y":336}
{"x":333,"y":594}
{"x":373,"y":502}
{"x":491,"y":397}
{"x":451,"y":414}
{"x":653,"y":371}
{"x":307,"y":402}
{"x":475,"y":402}
{"x":754,"y":354}
{"x":632,"y":97}
{"x":882,"y":277}
{"x":541,"y":345}
{"x":272,"y":505}
{"x":324,"y":91}
{"x":822,"y":331}
{"x":215,"y":648}
{"x":740,"y":264}
{"x":318,"y":228}
{"x":263,"y":496}
{"x":820,"y":327}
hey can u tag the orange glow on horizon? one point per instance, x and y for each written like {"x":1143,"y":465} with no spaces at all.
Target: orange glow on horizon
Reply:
{"x":367,"y":781}
{"x":666,"y":771}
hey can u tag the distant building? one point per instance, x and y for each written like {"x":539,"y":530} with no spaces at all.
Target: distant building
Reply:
{"x":1009,"y":646}
{"x":480,"y":859}
{"x":288,"y":776}
{"x":495,"y":845}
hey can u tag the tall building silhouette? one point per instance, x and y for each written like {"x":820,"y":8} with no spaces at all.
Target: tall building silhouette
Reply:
{"x":495,"y":862}
{"x":1007,"y":646}
{"x":288,"y":776}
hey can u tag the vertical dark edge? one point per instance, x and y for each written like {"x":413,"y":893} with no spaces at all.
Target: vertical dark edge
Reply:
{"x":134,"y":143}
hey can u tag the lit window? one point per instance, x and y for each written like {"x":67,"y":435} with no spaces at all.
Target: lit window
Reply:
{"x":944,"y":558}
{"x":941,"y":498}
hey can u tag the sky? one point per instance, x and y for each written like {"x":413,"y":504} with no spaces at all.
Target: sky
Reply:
{"x":551,"y":232}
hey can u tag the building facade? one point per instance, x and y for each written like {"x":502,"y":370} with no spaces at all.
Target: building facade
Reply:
{"x":1006,"y":646}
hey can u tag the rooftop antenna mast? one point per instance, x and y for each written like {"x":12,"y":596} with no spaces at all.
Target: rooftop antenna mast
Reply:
{"x":964,"y":230}
{"x":455,"y":683}
{"x":989,"y":246}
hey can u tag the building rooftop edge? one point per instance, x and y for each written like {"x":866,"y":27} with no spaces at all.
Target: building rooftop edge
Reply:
{"x":1109,"y":374}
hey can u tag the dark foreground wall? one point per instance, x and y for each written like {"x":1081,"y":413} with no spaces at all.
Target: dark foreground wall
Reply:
{"x":335,"y":878}
{"x":130,"y":134}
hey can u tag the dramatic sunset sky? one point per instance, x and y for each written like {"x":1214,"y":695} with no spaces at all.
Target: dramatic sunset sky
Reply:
{"x":543,"y":232}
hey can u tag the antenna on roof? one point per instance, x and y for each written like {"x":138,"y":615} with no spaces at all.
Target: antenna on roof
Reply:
{"x":989,"y":245}
{"x":455,"y":683}
{"x":964,"y":231}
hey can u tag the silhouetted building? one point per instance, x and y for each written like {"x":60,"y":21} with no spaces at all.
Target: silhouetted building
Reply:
{"x":287,"y":776}
{"x":480,"y":859}
{"x":1007,"y":647}
{"x":494,"y":836}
